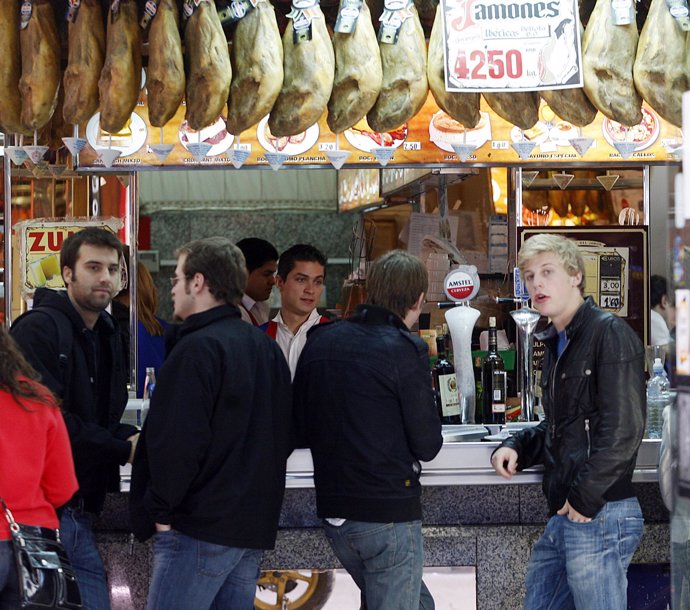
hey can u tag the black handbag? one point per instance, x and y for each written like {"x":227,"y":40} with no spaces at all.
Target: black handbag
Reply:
{"x":46,"y":576}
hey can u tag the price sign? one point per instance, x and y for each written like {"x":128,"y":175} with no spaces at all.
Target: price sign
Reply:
{"x":607,"y":272}
{"x":498,"y":45}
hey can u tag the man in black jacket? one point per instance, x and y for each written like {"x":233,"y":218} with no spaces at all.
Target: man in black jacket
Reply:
{"x":594,"y":404}
{"x":91,"y":382}
{"x":365,"y":407}
{"x":209,"y":472}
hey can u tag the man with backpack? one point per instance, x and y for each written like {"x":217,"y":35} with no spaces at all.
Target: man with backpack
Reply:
{"x":75,"y":345}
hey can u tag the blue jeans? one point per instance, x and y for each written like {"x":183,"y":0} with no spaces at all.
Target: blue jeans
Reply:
{"x":192,"y":574}
{"x":584,"y":565}
{"x":76,"y":533}
{"x":9,"y":586}
{"x":385,"y":560}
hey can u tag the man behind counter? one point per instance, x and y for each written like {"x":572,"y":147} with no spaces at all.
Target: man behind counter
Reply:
{"x":260,"y":257}
{"x":300,"y":280}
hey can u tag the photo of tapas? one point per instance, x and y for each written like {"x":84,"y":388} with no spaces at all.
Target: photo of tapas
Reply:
{"x":444,"y":131}
{"x":364,"y":138}
{"x":128,"y":140}
{"x":290,"y":145}
{"x":538,"y":134}
{"x":215,"y":134}
{"x":644,"y":134}
{"x":562,"y":133}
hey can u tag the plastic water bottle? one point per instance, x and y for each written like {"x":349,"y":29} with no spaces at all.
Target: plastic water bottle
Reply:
{"x":657,"y":399}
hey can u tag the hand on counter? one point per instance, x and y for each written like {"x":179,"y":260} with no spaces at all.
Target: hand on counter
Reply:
{"x":134,"y":439}
{"x":572,"y":514}
{"x":504,"y":462}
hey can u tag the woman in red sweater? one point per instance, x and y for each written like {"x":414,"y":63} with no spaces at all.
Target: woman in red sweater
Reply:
{"x":36,"y":467}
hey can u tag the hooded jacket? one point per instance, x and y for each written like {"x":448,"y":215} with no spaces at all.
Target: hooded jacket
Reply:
{"x":366,"y":409}
{"x":92,"y":388}
{"x":594,"y":405}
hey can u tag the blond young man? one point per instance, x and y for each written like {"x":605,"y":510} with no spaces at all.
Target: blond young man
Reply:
{"x":594,"y":403}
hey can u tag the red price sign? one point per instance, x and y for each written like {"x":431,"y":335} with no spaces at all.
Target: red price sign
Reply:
{"x":498,"y":45}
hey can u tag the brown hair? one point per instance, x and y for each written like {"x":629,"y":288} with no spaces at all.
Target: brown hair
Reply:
{"x":395,"y":280}
{"x":220,"y":262}
{"x":18,"y":377}
{"x":147,"y":301}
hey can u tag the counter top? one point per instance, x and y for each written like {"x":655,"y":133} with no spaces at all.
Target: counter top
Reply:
{"x":468,"y":463}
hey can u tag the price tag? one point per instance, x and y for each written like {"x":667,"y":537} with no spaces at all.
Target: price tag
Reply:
{"x":150,"y":10}
{"x":412,"y":146}
{"x":324,"y":146}
{"x":25,"y":14}
{"x":500,"y":144}
{"x":347,"y":16}
{"x":72,"y":10}
{"x":494,"y":45}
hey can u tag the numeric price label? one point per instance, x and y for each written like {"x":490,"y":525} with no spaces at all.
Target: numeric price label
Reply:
{"x":412,"y":146}
{"x":493,"y":64}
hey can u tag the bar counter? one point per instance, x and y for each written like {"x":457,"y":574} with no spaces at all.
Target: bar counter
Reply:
{"x":472,"y":517}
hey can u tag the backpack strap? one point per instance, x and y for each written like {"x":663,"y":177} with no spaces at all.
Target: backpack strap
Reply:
{"x":65,"y":341}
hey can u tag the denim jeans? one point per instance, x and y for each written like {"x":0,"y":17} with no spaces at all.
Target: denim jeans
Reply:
{"x":76,"y":533}
{"x":385,"y":560}
{"x":584,"y":565}
{"x":190,"y":573}
{"x":9,"y":586}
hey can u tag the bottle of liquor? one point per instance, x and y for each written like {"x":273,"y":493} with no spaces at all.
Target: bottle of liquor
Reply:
{"x":493,"y":381}
{"x":447,"y":387}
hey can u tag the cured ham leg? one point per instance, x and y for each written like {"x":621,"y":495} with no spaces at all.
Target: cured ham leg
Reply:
{"x":257,"y":68}
{"x":40,"y":80}
{"x":165,"y":81}
{"x":209,"y":72}
{"x":309,"y":68}
{"x":463,"y":107}
{"x":120,"y":80}
{"x":358,"y":74}
{"x":608,"y":54}
{"x":10,"y":68}
{"x":405,"y":86}
{"x":662,"y":66}
{"x":85,"y":58}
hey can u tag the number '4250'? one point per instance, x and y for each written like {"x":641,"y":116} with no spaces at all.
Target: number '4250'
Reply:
{"x":494,"y":64}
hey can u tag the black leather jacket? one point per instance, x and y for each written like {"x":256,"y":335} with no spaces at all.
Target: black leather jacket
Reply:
{"x":594,"y":404}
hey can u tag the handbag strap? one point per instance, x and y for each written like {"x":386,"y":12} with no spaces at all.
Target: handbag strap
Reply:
{"x":9,"y":516}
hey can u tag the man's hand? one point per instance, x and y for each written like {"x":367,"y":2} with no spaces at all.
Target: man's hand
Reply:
{"x":504,"y":461}
{"x":572,"y":514}
{"x":133,"y":439}
{"x":163,"y":527}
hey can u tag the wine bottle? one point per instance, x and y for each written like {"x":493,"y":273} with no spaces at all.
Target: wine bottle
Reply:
{"x":493,"y":381}
{"x":447,"y":387}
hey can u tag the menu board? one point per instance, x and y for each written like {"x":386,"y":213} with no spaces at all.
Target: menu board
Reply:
{"x":428,"y":139}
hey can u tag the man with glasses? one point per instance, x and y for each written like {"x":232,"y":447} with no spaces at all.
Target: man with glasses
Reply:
{"x":209,"y":474}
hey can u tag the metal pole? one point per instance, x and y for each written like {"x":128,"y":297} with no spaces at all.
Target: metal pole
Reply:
{"x":7,"y":178}
{"x":132,"y":224}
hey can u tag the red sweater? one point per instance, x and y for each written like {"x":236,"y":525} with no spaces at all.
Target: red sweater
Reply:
{"x":36,"y":466}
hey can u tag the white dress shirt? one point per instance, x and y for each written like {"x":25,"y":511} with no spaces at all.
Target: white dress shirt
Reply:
{"x":258,"y":309}
{"x":292,"y":345}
